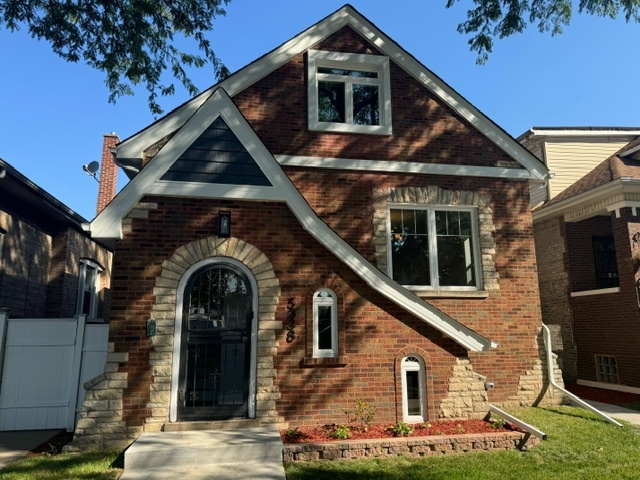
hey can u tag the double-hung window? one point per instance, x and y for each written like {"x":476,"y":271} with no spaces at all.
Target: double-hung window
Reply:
{"x":434,"y":247}
{"x":325,"y":324}
{"x":349,"y":92}
{"x":88,"y":288}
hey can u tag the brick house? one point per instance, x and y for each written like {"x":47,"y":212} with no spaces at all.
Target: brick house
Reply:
{"x":46,"y":258}
{"x":587,"y":243}
{"x":332,"y":222}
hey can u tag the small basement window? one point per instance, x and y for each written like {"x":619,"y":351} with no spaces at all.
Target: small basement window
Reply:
{"x":349,"y":92}
{"x":606,"y":369}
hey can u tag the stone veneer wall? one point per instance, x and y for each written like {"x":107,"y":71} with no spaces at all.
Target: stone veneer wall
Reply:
{"x":408,"y":446}
{"x":101,"y":424}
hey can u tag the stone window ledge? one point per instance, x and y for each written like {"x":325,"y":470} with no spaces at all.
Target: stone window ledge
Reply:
{"x":599,"y":291}
{"x":310,"y":362}
{"x":451,"y":294}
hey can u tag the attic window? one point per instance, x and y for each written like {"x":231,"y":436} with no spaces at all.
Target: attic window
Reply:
{"x":349,"y":93}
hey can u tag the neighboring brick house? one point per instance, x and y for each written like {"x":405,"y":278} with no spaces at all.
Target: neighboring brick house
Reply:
{"x":588,"y":253}
{"x":330,"y":223}
{"x":46,"y":258}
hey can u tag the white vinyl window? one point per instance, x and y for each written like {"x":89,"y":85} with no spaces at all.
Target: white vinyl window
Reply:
{"x":413,"y":386}
{"x":325,"y":324}
{"x":349,"y":92}
{"x":88,"y":288}
{"x":434,"y":247}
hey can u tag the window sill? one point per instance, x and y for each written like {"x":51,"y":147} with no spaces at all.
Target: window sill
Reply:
{"x":451,"y":293}
{"x":310,"y":362}
{"x":599,"y":291}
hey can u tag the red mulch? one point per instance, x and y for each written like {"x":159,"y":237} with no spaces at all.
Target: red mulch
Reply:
{"x":443,"y":427}
{"x":601,"y":395}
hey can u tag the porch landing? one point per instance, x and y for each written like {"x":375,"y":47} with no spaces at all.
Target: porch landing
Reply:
{"x":254,"y":453}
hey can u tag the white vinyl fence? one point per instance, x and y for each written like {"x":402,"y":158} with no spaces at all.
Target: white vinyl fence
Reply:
{"x":44,"y":364}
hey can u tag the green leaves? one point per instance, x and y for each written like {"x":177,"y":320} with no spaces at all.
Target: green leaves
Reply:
{"x":131,"y":41}
{"x":489,"y":19}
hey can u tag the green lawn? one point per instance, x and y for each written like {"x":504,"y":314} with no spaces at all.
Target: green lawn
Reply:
{"x":67,"y":466}
{"x":579,"y":446}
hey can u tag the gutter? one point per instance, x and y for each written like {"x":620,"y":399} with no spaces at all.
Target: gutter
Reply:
{"x":576,"y":400}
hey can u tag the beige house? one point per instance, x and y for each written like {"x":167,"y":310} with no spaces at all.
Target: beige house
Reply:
{"x":571,"y":152}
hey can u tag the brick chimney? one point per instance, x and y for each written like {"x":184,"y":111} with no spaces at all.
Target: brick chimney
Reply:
{"x":108,"y":172}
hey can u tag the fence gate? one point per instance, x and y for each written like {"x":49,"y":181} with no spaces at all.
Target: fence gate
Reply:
{"x":41,"y":365}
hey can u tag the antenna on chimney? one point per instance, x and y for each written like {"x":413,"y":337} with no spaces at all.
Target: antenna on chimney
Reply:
{"x":92,"y":169}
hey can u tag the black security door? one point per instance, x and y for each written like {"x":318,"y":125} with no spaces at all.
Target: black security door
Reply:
{"x":216,"y":345}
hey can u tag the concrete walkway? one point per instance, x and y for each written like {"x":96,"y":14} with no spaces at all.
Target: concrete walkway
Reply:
{"x":252,"y":453}
{"x":15,"y":445}
{"x":616,"y":412}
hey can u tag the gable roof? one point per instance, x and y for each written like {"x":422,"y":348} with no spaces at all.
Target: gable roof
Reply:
{"x":219,"y":105}
{"x":133,"y":147}
{"x":618,"y":168}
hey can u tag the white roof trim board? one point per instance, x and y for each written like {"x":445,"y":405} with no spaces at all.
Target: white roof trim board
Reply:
{"x":347,"y":15}
{"x":108,"y":223}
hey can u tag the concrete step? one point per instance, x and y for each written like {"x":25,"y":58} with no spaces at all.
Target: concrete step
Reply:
{"x":246,"y":453}
{"x":213,"y":425}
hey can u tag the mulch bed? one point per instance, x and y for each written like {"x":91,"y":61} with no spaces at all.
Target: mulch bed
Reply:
{"x":443,"y":427}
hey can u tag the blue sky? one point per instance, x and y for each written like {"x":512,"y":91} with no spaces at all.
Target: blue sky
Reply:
{"x":53,"y":114}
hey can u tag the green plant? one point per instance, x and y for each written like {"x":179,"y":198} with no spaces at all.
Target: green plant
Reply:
{"x":340,"y":432}
{"x":361,"y":415}
{"x":499,"y":423}
{"x":460,"y":428}
{"x":401,"y":429}
{"x":293,"y":433}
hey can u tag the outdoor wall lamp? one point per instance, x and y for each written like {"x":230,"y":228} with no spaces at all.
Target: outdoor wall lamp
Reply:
{"x":224,"y":224}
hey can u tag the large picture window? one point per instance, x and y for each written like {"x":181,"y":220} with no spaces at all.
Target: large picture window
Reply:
{"x":349,"y":92}
{"x":433,"y":247}
{"x":325,"y":320}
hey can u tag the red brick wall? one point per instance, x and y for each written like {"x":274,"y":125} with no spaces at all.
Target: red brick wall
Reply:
{"x":108,"y":172}
{"x":608,"y":324}
{"x":373,"y":330}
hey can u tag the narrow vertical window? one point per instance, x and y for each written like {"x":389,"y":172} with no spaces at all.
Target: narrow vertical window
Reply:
{"x":325,"y":320}
{"x":604,"y":254}
{"x":2,"y":235}
{"x":88,"y":288}
{"x":412,"y":390}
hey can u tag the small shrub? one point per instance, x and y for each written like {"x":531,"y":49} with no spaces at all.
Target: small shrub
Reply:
{"x":361,"y":415}
{"x":426,"y":425}
{"x":401,"y":429}
{"x":341,"y":432}
{"x":460,"y":428}
{"x":293,"y":433}
{"x":499,"y":423}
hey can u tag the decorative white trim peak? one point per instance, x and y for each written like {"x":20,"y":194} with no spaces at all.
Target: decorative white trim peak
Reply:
{"x":347,"y":15}
{"x":108,"y":223}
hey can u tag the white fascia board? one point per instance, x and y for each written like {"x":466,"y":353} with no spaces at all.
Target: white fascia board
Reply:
{"x":133,"y":147}
{"x":619,"y":186}
{"x":403,"y":167}
{"x":237,"y":82}
{"x":109,"y":223}
{"x":603,"y":132}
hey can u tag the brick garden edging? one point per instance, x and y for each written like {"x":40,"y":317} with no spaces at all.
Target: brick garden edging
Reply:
{"x":407,"y":446}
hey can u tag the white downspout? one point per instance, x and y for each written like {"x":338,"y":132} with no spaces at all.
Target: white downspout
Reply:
{"x":572,"y":397}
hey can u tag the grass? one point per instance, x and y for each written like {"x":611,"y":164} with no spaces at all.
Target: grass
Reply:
{"x":67,"y":466}
{"x":579,"y":446}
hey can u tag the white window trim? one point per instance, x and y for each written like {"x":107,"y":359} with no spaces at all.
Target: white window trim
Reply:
{"x":331,"y":301}
{"x":82,"y":276}
{"x":3,"y":233}
{"x":349,"y":61}
{"x":410,"y":366}
{"x":433,"y":257}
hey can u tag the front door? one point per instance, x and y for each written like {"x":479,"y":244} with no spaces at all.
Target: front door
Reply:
{"x":216,"y":346}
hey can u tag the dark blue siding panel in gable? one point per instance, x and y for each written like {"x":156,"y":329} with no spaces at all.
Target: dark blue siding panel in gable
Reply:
{"x":217,"y":156}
